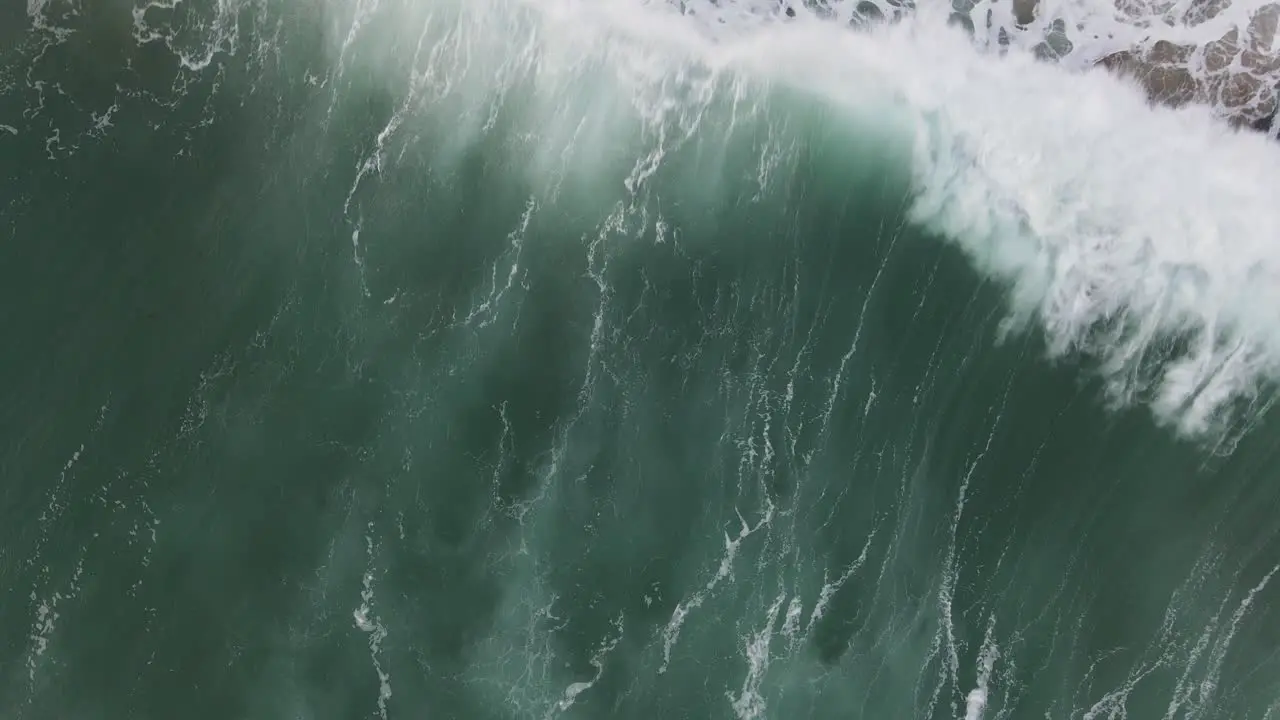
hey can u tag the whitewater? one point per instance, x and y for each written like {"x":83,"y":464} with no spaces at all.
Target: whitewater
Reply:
{"x":1140,"y":235}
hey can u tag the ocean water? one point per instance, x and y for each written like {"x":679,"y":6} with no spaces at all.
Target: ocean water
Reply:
{"x":620,"y":359}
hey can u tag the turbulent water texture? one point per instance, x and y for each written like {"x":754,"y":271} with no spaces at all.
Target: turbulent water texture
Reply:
{"x":557,"y":359}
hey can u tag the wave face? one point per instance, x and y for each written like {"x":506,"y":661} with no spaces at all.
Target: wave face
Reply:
{"x":552,"y":358}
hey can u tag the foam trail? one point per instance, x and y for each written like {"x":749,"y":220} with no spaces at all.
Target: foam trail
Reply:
{"x":368,"y":622}
{"x":976,"y":700}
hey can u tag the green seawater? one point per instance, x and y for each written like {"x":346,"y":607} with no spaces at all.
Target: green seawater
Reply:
{"x":337,"y":383}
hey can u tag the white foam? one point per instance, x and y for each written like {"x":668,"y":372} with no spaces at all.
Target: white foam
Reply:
{"x":1120,"y":227}
{"x":368,"y":622}
{"x":1224,"y":53}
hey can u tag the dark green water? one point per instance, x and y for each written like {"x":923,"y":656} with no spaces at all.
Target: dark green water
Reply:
{"x":334,"y":389}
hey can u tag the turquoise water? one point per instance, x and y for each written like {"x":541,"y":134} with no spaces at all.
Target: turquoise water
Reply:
{"x":470,"y":362}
